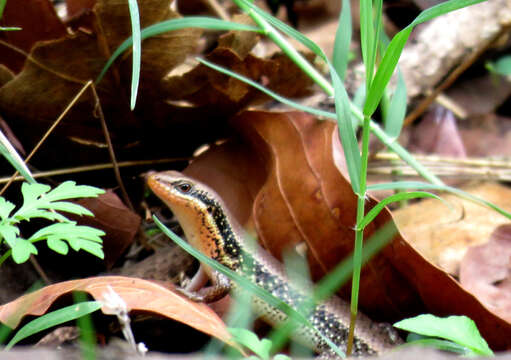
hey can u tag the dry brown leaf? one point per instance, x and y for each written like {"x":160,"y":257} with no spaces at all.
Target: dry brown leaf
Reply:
{"x":234,"y":172}
{"x":203,"y":85}
{"x":138,"y":294}
{"x":485,"y":272}
{"x":443,"y":235}
{"x":304,"y":198}
{"x":5,"y":74}
{"x":56,"y":70}
{"x":38,"y":21}
{"x":113,"y":217}
{"x":76,"y":7}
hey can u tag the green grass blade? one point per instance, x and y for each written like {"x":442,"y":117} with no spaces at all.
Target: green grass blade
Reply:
{"x":137,"y":50}
{"x":13,"y":157}
{"x":88,"y":338}
{"x":397,"y":109}
{"x":394,"y":146}
{"x":346,"y":132}
{"x":286,"y":29}
{"x":378,"y":27}
{"x":171,"y":25}
{"x":243,"y":282}
{"x":393,"y":198}
{"x":367,"y":38}
{"x":314,"y":111}
{"x":331,"y":282}
{"x":2,"y":7}
{"x":343,"y":40}
{"x":385,"y":70}
{"x":286,"y":47}
{"x":391,"y":56}
{"x":54,"y":318}
{"x":441,"y":9}
{"x":420,"y":185}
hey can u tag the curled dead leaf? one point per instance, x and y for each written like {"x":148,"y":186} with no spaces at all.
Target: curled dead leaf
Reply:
{"x":303,"y":198}
{"x":138,"y":294}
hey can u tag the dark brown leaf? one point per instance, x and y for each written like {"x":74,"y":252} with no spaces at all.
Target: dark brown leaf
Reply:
{"x":113,"y":217}
{"x":304,"y":198}
{"x":38,"y":21}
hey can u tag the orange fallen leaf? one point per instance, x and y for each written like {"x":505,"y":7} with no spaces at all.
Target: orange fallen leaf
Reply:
{"x":444,"y":240}
{"x":138,"y":294}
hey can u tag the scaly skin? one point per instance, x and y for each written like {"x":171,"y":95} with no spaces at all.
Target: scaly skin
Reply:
{"x":210,"y":228}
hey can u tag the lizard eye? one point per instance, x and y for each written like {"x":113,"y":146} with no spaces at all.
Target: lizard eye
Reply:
{"x":184,"y":187}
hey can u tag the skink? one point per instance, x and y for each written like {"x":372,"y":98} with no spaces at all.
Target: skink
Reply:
{"x":211,"y":229}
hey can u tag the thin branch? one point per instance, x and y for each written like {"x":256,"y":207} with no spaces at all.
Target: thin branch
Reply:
{"x":111,"y":152}
{"x":96,"y":167}
{"x":49,"y":131}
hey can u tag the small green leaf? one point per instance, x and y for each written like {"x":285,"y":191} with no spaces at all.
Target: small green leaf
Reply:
{"x":393,"y":198}
{"x":69,"y":190}
{"x":78,"y":237}
{"x":281,"y":357}
{"x":444,"y":345}
{"x":5,"y":208}
{"x":32,"y":191}
{"x":22,"y":250}
{"x":92,"y":248}
{"x":54,"y":318}
{"x":57,"y":245}
{"x":9,"y":233}
{"x":459,"y":329}
{"x":502,"y":66}
{"x":70,"y":208}
{"x":44,"y":214}
{"x":247,"y":338}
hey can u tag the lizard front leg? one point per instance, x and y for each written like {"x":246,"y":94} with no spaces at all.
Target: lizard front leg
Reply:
{"x":221,"y":287}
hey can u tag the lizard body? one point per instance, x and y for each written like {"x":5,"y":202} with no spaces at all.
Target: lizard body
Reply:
{"x":210,"y":228}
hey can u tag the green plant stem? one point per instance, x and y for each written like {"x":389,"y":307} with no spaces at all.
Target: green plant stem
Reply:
{"x":398,"y":149}
{"x":298,"y":59}
{"x":5,"y":256}
{"x":359,"y":232}
{"x":288,"y":49}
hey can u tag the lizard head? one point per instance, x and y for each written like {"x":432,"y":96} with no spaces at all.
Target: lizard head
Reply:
{"x":200,"y":212}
